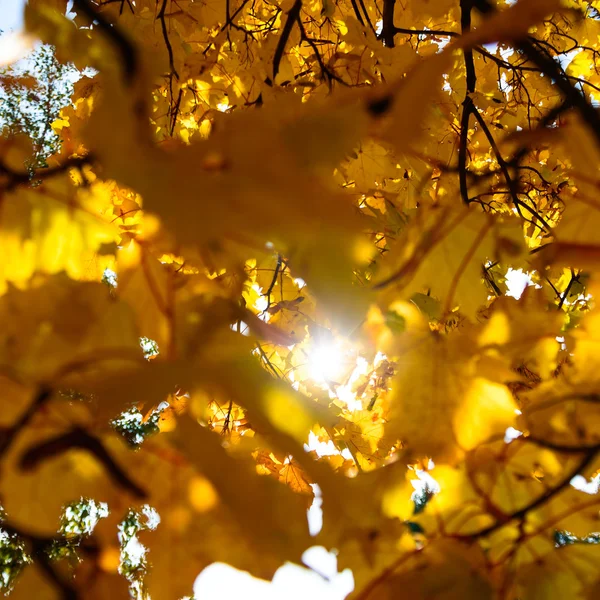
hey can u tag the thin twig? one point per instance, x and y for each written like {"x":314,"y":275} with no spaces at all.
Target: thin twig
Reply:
{"x":552,"y":69}
{"x":585,"y":462}
{"x":161,"y":17}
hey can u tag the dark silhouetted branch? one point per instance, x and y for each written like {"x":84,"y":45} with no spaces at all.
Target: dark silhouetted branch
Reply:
{"x":125,"y":47}
{"x":79,"y":438}
{"x":388,"y":30}
{"x":467,"y":105}
{"x":8,"y":436}
{"x":10,"y":179}
{"x":292,"y":16}
{"x":588,"y":458}
{"x":552,"y":69}
{"x":163,"y":24}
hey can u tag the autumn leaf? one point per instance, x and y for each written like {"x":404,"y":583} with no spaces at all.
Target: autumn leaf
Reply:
{"x":461,"y":241}
{"x":441,"y":384}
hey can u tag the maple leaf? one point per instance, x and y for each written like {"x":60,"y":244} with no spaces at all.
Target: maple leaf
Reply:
{"x":444,"y":252}
{"x":442,"y":403}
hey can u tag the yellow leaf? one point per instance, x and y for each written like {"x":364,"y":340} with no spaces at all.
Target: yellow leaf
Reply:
{"x":59,"y":326}
{"x":525,"y":330}
{"x":399,"y":103}
{"x":512,"y":23}
{"x":444,"y":251}
{"x":440,"y":406}
{"x":444,"y":570}
{"x":263,"y":507}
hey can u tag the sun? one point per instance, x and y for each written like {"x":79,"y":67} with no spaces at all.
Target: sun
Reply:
{"x":326,"y":362}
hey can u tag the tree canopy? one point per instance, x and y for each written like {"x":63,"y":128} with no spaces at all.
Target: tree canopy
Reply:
{"x":268,"y":254}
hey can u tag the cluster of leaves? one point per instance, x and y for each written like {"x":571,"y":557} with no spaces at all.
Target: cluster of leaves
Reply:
{"x":31,"y":97}
{"x":271,"y":255}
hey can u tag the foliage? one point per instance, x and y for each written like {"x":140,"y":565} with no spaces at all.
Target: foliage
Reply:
{"x":31,"y":97}
{"x":272,"y":260}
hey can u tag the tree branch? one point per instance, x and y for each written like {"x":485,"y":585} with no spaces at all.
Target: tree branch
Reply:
{"x":357,"y":13}
{"x":362,"y":5}
{"x":431,"y":32}
{"x":468,"y":106}
{"x":465,"y":25}
{"x":292,"y":16}
{"x":125,"y":47}
{"x":552,"y":69}
{"x":463,"y":148}
{"x":79,"y":438}
{"x":563,"y":297}
{"x":38,"y":547}
{"x":564,"y":448}
{"x":8,"y":436}
{"x":16,"y":178}
{"x":510,"y":182}
{"x":388,"y":30}
{"x":161,"y":17}
{"x":585,"y":462}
